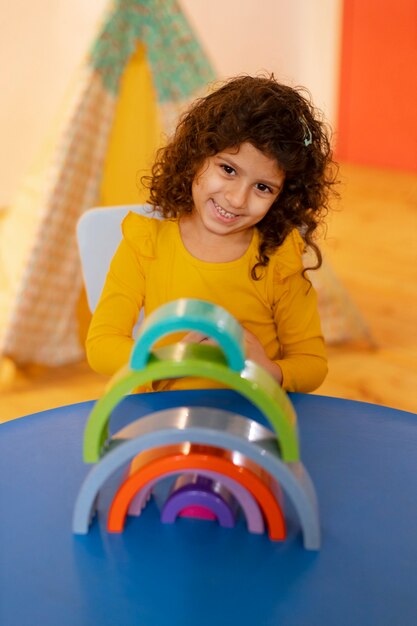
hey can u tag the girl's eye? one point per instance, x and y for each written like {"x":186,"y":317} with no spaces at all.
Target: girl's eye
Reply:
{"x":227,"y":168}
{"x":263,"y":188}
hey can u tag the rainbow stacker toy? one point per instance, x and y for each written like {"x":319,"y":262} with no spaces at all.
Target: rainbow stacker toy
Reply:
{"x":214,"y":464}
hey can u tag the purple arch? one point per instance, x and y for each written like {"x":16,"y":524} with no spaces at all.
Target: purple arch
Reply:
{"x":191,"y":491}
{"x":248,"y":504}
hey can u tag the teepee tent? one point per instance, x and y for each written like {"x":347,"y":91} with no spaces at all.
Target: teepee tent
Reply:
{"x":145,"y":65}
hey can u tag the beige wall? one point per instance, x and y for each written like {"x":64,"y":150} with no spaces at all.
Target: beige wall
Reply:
{"x":296,"y":39}
{"x":43,"y":42}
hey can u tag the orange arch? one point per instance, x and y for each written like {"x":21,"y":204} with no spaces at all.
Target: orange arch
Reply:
{"x":197,"y":460}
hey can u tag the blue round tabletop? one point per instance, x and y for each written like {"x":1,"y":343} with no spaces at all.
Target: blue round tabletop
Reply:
{"x":362,"y":459}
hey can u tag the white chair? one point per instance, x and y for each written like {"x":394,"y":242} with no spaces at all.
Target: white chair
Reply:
{"x":98,"y":236}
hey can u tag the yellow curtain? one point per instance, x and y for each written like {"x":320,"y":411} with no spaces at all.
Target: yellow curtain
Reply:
{"x":135,"y":135}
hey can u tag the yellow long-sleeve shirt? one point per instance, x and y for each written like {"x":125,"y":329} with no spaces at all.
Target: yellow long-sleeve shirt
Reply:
{"x":152,"y":267}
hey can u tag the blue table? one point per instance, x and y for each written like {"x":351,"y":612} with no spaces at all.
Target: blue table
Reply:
{"x":362,"y":459}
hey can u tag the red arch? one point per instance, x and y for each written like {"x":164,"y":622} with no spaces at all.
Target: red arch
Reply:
{"x":215,"y":461}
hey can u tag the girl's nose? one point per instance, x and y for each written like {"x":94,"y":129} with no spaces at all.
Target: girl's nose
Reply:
{"x":236,"y":196}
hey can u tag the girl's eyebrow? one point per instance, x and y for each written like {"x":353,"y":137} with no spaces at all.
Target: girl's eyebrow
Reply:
{"x":270,"y":183}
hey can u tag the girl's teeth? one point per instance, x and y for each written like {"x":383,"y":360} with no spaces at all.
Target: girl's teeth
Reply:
{"x":223,"y":212}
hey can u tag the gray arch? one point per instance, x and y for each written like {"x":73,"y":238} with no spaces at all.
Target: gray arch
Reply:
{"x":203,"y":425}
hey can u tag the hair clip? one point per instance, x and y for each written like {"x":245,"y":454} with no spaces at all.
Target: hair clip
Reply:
{"x":308,"y":140}
{"x":308,"y":137}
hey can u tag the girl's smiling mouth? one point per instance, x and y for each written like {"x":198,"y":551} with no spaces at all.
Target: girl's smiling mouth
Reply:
{"x":222,"y":213}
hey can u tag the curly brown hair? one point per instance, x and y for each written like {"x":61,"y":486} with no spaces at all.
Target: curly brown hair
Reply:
{"x":278,"y":120}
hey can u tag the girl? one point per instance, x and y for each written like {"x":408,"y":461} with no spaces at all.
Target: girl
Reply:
{"x":242,"y":185}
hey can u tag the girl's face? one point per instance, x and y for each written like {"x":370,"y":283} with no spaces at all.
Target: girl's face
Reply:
{"x":235,"y":189}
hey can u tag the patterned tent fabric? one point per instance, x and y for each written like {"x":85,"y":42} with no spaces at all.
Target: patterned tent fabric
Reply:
{"x":41,"y":286}
{"x":179,"y":66}
{"x":340,"y":319}
{"x":42,"y":326}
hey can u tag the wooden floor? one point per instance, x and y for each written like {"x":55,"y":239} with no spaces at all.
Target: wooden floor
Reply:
{"x":372,"y":246}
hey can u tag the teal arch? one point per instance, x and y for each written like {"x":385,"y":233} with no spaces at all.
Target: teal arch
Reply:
{"x":205,"y":361}
{"x":190,"y":314}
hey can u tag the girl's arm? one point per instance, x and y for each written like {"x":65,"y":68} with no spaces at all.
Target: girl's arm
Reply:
{"x":303,"y":359}
{"x":302,"y":365}
{"x":109,"y":340}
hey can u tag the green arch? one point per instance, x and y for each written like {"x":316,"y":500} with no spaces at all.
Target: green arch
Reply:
{"x":205,"y":361}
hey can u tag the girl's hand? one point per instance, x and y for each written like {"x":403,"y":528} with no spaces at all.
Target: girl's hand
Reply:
{"x":196,"y":337}
{"x":255,"y":352}
{"x":253,"y":348}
